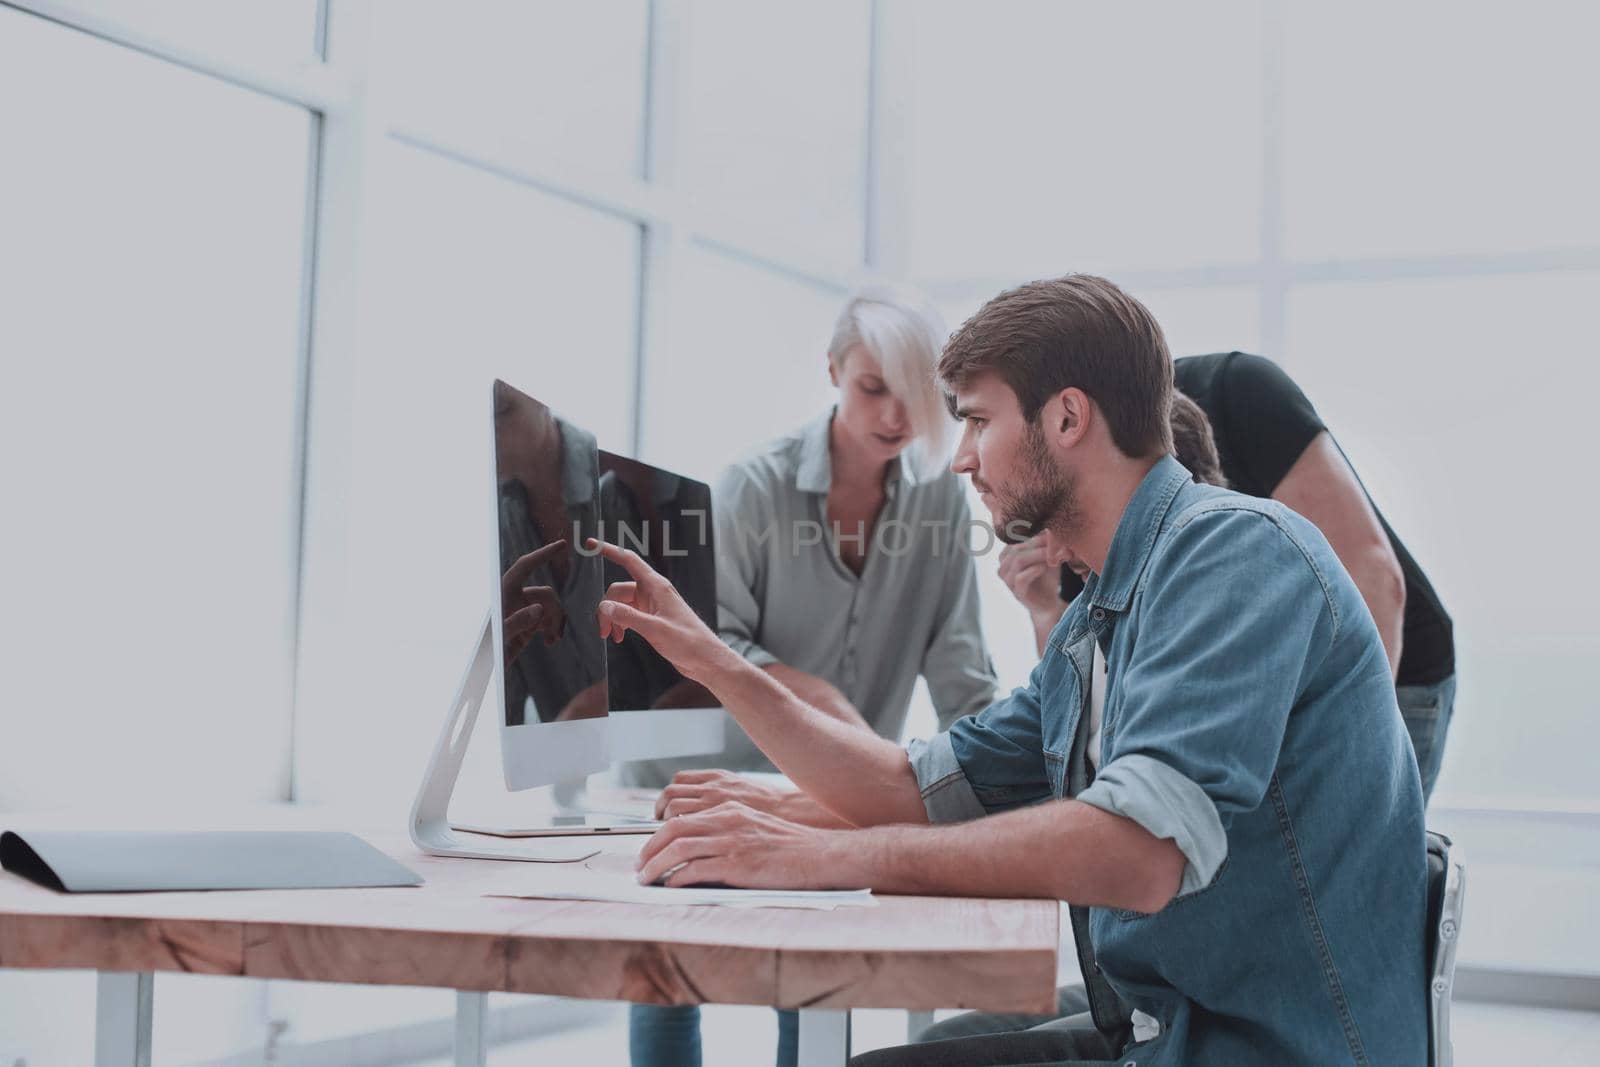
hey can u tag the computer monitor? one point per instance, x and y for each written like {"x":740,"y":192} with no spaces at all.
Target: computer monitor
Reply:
{"x":666,"y":519}
{"x":555,"y":489}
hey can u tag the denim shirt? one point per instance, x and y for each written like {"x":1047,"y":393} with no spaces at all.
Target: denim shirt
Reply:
{"x":1249,"y":717}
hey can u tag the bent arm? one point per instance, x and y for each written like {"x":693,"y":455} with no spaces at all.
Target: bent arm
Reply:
{"x":1322,"y":487}
{"x":1061,"y":850}
{"x":819,"y":693}
{"x":860,"y":777}
{"x":863,"y":778}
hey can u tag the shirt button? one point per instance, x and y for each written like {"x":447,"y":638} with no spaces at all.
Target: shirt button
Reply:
{"x":1099,"y":614}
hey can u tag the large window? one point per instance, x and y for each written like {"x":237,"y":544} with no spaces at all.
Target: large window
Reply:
{"x":468,"y":277}
{"x":772,"y":124}
{"x":154,"y":226}
{"x":557,"y":86}
{"x":153,"y":229}
{"x":735,"y":330}
{"x":285,"y":30}
{"x":1459,"y":401}
{"x":259,"y":262}
{"x":1457,"y":129}
{"x":1038,"y":137}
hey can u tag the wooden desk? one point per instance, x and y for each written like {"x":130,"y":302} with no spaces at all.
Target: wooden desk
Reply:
{"x":908,"y":952}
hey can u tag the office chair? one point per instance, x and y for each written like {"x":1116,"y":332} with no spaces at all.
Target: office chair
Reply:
{"x":1447,"y":882}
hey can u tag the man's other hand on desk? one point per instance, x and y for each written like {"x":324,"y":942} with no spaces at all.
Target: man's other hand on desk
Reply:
{"x":696,"y":791}
{"x":733,"y":844}
{"x":1011,"y":854}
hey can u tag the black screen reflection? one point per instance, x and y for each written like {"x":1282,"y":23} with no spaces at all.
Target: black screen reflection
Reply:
{"x":547,"y":470}
{"x":666,"y":518}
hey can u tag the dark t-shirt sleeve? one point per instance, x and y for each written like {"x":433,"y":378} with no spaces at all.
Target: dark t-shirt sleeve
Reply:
{"x":1270,"y":421}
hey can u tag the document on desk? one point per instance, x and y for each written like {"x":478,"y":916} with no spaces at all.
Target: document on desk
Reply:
{"x":610,"y":877}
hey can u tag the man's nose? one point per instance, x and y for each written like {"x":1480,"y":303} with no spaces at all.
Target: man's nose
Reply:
{"x":965,"y":460}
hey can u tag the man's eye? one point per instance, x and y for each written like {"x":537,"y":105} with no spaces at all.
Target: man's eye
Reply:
{"x":873,"y":390}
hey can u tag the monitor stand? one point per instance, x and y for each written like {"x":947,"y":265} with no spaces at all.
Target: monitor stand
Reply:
{"x":430,"y":821}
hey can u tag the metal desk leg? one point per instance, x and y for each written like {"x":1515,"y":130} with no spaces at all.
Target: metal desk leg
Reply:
{"x":122,"y":1019}
{"x":824,"y":1038}
{"x":472,"y":1038}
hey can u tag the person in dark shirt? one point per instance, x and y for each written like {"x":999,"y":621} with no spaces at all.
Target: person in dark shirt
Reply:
{"x":1272,"y":443}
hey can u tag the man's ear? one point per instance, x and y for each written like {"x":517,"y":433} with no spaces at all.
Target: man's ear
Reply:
{"x":1066,"y":416}
{"x":833,"y":370}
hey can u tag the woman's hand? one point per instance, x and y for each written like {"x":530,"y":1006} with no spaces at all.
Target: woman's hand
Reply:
{"x":651,"y":607}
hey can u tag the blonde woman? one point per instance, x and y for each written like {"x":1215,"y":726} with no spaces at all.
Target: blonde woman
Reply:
{"x":843,"y":571}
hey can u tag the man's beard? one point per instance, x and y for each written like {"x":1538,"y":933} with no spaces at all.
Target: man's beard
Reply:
{"x":1042,"y":497}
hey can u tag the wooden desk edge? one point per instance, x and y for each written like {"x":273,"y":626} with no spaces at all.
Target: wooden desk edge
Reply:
{"x":657,"y":972}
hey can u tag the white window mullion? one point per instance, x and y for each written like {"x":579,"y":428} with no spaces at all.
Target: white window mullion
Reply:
{"x":658,"y":155}
{"x":1274,"y":274}
{"x":308,"y":84}
{"x":335,"y":222}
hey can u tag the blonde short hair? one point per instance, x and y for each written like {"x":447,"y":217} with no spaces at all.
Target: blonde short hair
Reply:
{"x":905,"y":333}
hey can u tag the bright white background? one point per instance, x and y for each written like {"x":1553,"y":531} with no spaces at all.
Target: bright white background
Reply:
{"x":260,"y":259}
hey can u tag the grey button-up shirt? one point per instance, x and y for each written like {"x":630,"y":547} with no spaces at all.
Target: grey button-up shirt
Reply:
{"x":784,"y":595}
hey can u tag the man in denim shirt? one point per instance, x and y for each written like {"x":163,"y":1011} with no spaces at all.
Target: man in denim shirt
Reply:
{"x":1245,"y":857}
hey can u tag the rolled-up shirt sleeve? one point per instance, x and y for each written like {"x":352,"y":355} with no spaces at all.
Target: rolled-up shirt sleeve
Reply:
{"x":1167,"y":805}
{"x":1222,"y":658}
{"x":946,"y":793}
{"x":985,"y":763}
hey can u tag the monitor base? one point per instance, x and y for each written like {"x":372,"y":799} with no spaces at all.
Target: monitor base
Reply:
{"x":430,"y":820}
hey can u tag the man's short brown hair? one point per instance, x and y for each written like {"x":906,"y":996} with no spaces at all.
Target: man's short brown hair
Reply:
{"x":1078,"y":331}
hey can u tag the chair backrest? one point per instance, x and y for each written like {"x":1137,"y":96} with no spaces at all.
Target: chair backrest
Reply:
{"x":1447,"y":877}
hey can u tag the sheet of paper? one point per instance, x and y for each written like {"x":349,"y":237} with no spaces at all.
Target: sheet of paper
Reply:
{"x":611,"y":878}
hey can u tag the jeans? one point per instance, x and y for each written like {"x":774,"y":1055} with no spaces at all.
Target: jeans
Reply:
{"x":1427,"y":710}
{"x":978,"y":1039}
{"x":1070,"y":1000}
{"x":669,"y":1036}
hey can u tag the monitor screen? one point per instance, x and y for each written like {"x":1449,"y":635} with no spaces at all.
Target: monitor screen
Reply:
{"x":547,"y":474}
{"x":666,"y":518}
{"x":556,"y":489}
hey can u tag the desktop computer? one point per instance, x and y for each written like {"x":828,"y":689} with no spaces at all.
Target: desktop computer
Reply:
{"x":571,"y":703}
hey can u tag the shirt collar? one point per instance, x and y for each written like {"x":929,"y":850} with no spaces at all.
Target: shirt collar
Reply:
{"x":814,"y":474}
{"x":1136,"y":535}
